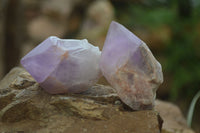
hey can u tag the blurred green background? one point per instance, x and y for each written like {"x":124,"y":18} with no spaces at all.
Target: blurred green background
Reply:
{"x":171,"y":28}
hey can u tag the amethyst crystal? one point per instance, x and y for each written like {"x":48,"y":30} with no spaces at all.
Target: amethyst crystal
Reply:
{"x":63,"y":65}
{"x":129,"y":66}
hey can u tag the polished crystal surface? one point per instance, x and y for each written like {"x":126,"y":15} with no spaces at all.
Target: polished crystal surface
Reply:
{"x":129,"y":66}
{"x":63,"y":65}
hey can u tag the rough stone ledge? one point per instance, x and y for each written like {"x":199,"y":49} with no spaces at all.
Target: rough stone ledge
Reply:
{"x":24,"y":106}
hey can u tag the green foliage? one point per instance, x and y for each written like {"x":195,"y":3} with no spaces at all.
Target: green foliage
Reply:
{"x":182,"y":60}
{"x":152,"y":17}
{"x":147,"y":17}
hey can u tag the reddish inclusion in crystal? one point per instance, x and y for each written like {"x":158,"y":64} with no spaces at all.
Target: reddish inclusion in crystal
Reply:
{"x":65,"y":55}
{"x":64,"y":65}
{"x":129,"y":66}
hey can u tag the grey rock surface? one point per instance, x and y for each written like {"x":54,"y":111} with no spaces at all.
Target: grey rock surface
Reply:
{"x":174,"y":121}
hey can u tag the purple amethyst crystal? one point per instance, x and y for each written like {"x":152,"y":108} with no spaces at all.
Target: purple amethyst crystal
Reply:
{"x":63,"y":65}
{"x":129,"y":66}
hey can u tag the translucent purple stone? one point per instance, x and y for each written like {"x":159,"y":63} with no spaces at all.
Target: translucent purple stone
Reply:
{"x":64,"y":65}
{"x":129,"y":66}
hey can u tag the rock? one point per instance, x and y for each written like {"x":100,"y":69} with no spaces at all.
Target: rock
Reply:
{"x":17,"y":78}
{"x":80,"y":107}
{"x":61,"y":65}
{"x":129,"y":66}
{"x":27,"y":108}
{"x":174,"y":122}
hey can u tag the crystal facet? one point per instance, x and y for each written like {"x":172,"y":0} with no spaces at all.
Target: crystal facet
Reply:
{"x":64,"y":65}
{"x":129,"y":66}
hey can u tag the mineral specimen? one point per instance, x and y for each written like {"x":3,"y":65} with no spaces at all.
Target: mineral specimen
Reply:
{"x":129,"y":66}
{"x":64,"y":65}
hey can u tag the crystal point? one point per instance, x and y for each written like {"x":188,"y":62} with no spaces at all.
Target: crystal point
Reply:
{"x":129,"y":66}
{"x":63,"y":65}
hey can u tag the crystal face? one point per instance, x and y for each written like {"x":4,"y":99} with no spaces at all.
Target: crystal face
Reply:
{"x":129,"y":66}
{"x":63,"y":65}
